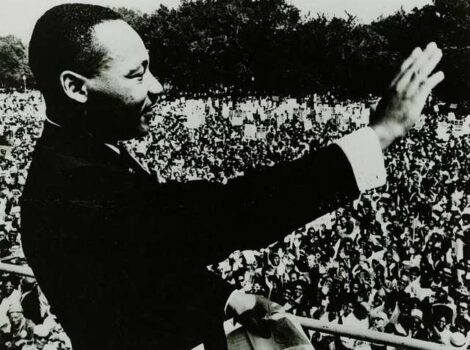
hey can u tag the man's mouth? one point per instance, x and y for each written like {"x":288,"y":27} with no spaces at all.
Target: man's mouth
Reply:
{"x":148,"y":110}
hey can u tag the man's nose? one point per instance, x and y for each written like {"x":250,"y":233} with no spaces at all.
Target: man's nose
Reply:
{"x":154,"y":86}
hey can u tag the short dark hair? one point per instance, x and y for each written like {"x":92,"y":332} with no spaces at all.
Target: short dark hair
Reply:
{"x":63,"y":39}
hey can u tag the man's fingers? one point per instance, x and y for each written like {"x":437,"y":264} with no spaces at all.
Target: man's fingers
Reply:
{"x":405,"y":79}
{"x":431,"y":64}
{"x":431,"y":83}
{"x":255,"y":325}
{"x":422,"y":75}
{"x":418,"y":65}
{"x":409,"y":61}
{"x":414,"y":72}
{"x":257,"y":319}
{"x":407,"y":64}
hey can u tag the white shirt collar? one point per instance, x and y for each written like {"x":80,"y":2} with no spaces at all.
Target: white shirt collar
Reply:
{"x":53,"y":123}
{"x":113,"y":147}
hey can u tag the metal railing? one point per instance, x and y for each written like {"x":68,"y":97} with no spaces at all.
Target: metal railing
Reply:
{"x":370,"y":335}
{"x":320,"y":326}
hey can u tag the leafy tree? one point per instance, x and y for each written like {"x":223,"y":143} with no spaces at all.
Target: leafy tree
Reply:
{"x":13,"y":62}
{"x":266,"y":47}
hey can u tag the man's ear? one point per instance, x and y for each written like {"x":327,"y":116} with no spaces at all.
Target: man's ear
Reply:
{"x":74,"y":86}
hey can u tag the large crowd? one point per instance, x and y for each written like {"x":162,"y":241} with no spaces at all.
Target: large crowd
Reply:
{"x":26,"y":321}
{"x":394,"y":260}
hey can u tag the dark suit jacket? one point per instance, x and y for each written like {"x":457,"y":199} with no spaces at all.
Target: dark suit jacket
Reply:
{"x":31,"y":305}
{"x":122,"y":258}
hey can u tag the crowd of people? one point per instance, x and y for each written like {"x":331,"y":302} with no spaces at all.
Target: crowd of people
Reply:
{"x":26,"y":321}
{"x":395,"y":260}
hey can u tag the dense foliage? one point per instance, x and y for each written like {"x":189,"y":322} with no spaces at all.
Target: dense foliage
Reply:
{"x":13,"y":64}
{"x":266,"y":46}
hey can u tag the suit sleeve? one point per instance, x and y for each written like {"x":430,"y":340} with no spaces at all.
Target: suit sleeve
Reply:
{"x":263,"y":206}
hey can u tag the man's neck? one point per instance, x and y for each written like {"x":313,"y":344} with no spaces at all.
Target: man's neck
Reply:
{"x":110,"y":143}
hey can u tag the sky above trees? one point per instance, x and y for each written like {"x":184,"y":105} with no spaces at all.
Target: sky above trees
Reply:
{"x":17,"y":17}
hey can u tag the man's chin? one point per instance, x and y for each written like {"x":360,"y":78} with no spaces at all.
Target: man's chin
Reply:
{"x":143,"y":129}
{"x":140,"y":131}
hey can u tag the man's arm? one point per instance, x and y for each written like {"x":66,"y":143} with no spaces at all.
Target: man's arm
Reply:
{"x":256,"y":209}
{"x":264,"y":205}
{"x":396,"y":114}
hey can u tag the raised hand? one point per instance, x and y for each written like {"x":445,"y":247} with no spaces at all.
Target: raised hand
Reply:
{"x":401,"y":106}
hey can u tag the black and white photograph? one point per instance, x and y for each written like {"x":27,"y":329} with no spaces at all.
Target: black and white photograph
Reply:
{"x":234,"y":174}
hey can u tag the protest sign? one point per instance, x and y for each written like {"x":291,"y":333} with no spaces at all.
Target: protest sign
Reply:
{"x":250,"y":131}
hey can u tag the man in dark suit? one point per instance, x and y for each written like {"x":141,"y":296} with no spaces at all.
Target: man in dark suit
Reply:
{"x":122,"y":257}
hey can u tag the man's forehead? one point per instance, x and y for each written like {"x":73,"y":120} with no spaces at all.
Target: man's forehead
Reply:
{"x":119,"y":41}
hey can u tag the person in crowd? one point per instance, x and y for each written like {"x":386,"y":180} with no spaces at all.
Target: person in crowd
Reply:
{"x":21,"y":329}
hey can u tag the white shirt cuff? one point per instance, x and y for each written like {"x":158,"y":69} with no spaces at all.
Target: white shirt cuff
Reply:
{"x":362,"y":148}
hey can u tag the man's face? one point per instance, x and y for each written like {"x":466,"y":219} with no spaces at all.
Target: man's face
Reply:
{"x":241,"y":280}
{"x":8,"y":288}
{"x":299,"y":291}
{"x":294,"y":277}
{"x":463,"y":309}
{"x":415,"y":323}
{"x":378,"y":300}
{"x":286,"y":294}
{"x":348,"y":308}
{"x":441,"y":324}
{"x":404,"y":282}
{"x":15,"y":318}
{"x":275,"y":260}
{"x":40,"y":342}
{"x":122,"y":93}
{"x":311,"y":261}
{"x":437,"y":249}
{"x":414,"y":275}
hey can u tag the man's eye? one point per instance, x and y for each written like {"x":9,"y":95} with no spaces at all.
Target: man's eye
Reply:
{"x":138,"y":76}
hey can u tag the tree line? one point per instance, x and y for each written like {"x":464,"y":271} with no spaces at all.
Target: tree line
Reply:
{"x":269,"y":47}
